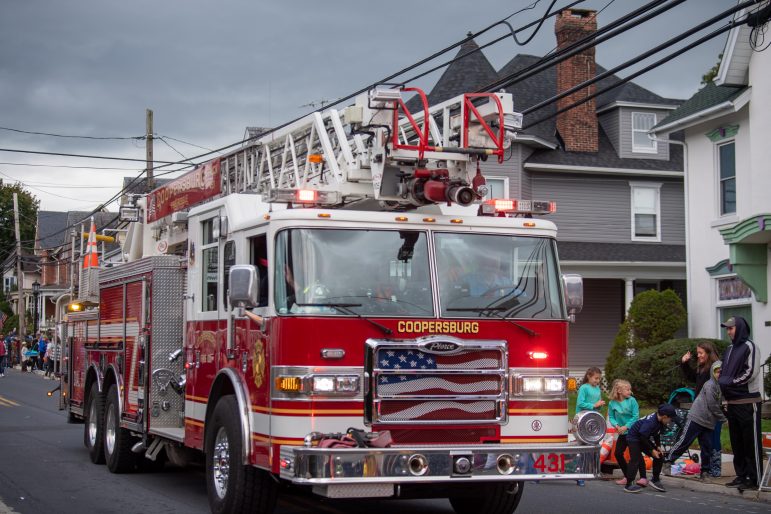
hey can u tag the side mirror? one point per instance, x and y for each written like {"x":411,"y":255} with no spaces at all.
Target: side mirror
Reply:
{"x":244,"y":286}
{"x":574,"y":294}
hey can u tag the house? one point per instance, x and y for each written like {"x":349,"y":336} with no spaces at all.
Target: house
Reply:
{"x":55,"y":231}
{"x":726,"y":127}
{"x":30,"y":272}
{"x":619,"y":194}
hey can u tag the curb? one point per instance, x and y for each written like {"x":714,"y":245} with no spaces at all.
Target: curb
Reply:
{"x":693,"y":484}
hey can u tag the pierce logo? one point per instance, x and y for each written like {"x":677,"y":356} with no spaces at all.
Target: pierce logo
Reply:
{"x":441,"y":347}
{"x":536,"y":425}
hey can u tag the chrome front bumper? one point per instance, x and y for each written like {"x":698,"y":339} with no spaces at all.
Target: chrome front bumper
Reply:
{"x":437,"y":464}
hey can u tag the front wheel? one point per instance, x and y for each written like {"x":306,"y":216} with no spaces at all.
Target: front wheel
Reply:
{"x":93,"y":436}
{"x":498,"y":498}
{"x":117,"y":440}
{"x":233,"y":485}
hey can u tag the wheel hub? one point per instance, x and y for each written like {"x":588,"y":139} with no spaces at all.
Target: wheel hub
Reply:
{"x":221,"y":462}
{"x":92,"y":425}
{"x":109,"y":429}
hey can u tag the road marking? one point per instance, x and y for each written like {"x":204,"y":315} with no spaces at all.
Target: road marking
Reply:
{"x":8,"y":403}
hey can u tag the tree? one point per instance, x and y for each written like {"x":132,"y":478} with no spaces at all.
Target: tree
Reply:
{"x":709,"y":77}
{"x":28,"y":207}
{"x":653,"y":318}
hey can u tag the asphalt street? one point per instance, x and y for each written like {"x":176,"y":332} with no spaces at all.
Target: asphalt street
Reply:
{"x":44,"y":468}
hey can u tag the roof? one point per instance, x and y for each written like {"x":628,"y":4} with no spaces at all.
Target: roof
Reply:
{"x":72,"y":219}
{"x":707,"y":97}
{"x":612,"y":252}
{"x":51,"y":229}
{"x":606,"y":157}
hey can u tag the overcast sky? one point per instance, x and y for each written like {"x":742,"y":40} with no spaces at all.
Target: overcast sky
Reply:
{"x":208,"y":69}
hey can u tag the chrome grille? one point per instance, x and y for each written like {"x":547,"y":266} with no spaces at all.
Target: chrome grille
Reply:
{"x":436,"y":380}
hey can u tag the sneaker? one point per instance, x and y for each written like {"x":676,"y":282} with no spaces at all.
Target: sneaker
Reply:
{"x":736,"y":482}
{"x":580,"y":483}
{"x":643,"y":482}
{"x":622,"y":481}
{"x":657,"y":485}
{"x":632,"y":489}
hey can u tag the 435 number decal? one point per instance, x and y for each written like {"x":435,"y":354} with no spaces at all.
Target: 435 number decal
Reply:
{"x":550,"y":462}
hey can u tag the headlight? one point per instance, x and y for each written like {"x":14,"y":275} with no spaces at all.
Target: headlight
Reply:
{"x":295,"y":382}
{"x":537,"y":383}
{"x":589,"y":427}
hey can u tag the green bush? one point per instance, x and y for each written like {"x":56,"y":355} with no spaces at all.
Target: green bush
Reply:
{"x":654,"y":372}
{"x":653,"y":317}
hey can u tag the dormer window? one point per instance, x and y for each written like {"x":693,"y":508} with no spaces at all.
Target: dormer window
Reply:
{"x":642,"y":122}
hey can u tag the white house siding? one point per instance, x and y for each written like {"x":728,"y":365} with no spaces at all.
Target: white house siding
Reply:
{"x":753,"y":187}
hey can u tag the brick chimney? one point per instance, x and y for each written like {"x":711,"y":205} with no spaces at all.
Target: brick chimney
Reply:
{"x":578,"y":126}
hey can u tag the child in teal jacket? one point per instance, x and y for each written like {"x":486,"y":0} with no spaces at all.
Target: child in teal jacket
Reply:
{"x":623,"y":411}
{"x":589,"y":395}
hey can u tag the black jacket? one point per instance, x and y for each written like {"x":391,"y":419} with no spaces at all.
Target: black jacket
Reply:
{"x":647,"y":432}
{"x":700,"y":377}
{"x":740,"y":379}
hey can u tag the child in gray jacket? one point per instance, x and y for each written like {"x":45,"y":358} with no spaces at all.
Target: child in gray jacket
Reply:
{"x":704,"y":414}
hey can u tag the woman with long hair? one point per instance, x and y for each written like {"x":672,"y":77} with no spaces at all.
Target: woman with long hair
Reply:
{"x":706,"y":355}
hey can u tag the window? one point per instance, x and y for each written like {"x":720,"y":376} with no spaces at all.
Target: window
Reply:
{"x":646,"y":211}
{"x":258,"y":257}
{"x":499,"y":187}
{"x":727,"y":177}
{"x":209,"y":265}
{"x":228,"y":260}
{"x":642,"y":122}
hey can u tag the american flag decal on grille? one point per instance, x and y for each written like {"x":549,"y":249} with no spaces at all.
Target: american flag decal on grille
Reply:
{"x":464,"y":381}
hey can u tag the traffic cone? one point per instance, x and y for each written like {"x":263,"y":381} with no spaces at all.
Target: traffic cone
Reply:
{"x":91,"y":258}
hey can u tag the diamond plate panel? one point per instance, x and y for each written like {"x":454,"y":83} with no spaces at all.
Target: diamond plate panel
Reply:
{"x":167,"y":325}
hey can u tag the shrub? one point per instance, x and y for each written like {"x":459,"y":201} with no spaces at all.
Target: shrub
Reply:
{"x":655,"y":371}
{"x":653,"y":317}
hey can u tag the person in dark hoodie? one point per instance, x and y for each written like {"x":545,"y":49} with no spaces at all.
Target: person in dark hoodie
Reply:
{"x":740,"y":382}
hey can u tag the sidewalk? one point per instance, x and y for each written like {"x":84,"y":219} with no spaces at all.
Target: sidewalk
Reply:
{"x":711,"y":485}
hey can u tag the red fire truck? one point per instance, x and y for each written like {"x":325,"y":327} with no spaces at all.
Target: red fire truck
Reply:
{"x":336,"y":305}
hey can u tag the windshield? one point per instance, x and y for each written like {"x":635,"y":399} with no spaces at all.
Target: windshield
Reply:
{"x":367,"y":272}
{"x":485,"y":275}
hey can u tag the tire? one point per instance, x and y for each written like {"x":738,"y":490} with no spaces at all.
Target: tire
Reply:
{"x":93,"y":432}
{"x":498,"y":498}
{"x":232,"y":485}
{"x":117,"y":440}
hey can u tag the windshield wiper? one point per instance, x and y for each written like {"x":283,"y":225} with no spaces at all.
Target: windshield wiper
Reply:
{"x":346,"y":308}
{"x":495,"y":311}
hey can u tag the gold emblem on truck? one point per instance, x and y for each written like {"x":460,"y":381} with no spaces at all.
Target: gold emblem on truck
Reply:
{"x":439,"y":327}
{"x":258,"y":363}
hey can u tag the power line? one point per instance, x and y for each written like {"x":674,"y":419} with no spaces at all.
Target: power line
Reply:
{"x":65,"y":166}
{"x":185,"y":142}
{"x":70,"y":136}
{"x":81,"y":155}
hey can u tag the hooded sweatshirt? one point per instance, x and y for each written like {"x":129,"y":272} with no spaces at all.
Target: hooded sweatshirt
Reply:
{"x":740,"y":379}
{"x":706,"y":409}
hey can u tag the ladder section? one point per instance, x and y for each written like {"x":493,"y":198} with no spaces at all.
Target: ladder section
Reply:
{"x":379,"y":149}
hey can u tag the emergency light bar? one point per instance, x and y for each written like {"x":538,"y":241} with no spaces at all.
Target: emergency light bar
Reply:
{"x":507,"y":206}
{"x":302,"y":196}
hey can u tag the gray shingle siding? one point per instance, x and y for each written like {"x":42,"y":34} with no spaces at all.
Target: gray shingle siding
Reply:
{"x":672,"y":213}
{"x":610,"y":121}
{"x":599,"y":209}
{"x":592,"y":335}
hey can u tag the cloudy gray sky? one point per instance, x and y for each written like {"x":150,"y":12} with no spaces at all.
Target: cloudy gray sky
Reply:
{"x":208,"y":69}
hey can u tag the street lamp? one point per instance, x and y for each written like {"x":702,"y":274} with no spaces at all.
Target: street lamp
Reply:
{"x":35,"y":294}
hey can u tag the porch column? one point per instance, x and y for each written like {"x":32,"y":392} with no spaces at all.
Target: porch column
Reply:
{"x":628,"y":294}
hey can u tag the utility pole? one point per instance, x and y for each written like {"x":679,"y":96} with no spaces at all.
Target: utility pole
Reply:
{"x":149,"y":150}
{"x":22,"y":309}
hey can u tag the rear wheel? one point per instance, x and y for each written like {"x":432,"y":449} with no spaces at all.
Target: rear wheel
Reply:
{"x":233,"y":485}
{"x":93,"y":436}
{"x":498,"y":498}
{"x":117,"y":440}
